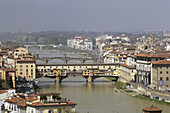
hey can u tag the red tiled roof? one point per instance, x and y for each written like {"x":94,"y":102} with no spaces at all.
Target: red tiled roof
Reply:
{"x":8,"y":69}
{"x":153,"y":55}
{"x":23,"y":60}
{"x":30,"y":99}
{"x":52,"y":93}
{"x":14,"y":99}
{"x":51,"y":104}
{"x":2,"y":91}
{"x":22,"y":103}
{"x":127,"y":66}
{"x":162,"y":62}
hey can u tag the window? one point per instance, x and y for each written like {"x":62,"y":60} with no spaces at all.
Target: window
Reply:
{"x":32,"y":111}
{"x":167,"y":72}
{"x":20,"y":69}
{"x":167,"y":67}
{"x":20,"y":73}
{"x":59,"y":110}
{"x":160,"y":78}
{"x":50,"y":111}
{"x":167,"y":78}
{"x":160,"y":72}
{"x":41,"y":110}
{"x":69,"y":110}
{"x":26,"y":65}
{"x":20,"y":65}
{"x":28,"y":110}
{"x":160,"y":67}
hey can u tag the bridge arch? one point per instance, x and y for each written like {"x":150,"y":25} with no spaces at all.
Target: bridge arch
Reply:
{"x":56,"y":61}
{"x":40,"y":62}
{"x":75,"y":61}
{"x":89,"y":61}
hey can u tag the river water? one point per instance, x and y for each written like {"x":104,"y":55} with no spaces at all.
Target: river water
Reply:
{"x":99,"y":97}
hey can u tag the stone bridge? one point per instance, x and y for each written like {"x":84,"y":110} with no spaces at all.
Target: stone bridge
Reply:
{"x":40,"y":46}
{"x":66,"y":59}
{"x":89,"y":71}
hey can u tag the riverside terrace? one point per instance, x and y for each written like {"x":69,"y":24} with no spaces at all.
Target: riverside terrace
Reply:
{"x":88,"y":71}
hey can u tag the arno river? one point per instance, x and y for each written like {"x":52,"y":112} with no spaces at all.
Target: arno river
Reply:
{"x":99,"y":97}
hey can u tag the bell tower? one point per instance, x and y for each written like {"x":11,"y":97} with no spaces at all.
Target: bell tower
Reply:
{"x":151,"y":39}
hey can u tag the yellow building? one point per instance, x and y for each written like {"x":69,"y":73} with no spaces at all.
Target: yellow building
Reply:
{"x":93,"y":72}
{"x":7,"y":74}
{"x":26,"y":69}
{"x":57,"y":72}
{"x":20,"y":52}
{"x":161,"y":74}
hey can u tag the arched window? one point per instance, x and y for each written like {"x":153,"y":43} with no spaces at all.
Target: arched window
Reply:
{"x":167,"y":78}
{"x":160,"y":78}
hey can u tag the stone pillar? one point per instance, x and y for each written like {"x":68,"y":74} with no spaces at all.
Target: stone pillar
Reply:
{"x":66,"y":61}
{"x":59,"y":79}
{"x":46,"y":61}
{"x":41,"y":47}
{"x":82,"y":61}
{"x":90,"y":79}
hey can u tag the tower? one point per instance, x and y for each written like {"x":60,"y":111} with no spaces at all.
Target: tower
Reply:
{"x":151,"y":39}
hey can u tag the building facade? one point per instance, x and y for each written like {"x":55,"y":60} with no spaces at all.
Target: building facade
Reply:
{"x":26,"y":69}
{"x":81,"y":43}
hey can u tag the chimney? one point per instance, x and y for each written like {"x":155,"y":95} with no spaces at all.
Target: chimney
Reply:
{"x":152,"y":109}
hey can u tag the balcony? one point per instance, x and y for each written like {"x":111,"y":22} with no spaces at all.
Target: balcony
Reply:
{"x":142,"y":61}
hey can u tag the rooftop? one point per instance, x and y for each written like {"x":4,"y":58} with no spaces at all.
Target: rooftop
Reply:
{"x":2,"y":91}
{"x":165,"y":61}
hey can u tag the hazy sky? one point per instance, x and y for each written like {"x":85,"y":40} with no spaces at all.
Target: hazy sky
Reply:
{"x":115,"y":15}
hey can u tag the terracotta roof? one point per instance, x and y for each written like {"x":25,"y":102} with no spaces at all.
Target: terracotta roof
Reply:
{"x":153,"y":55}
{"x":37,"y":103}
{"x":22,"y":103}
{"x":2,"y":91}
{"x":8,"y":69}
{"x":23,"y":60}
{"x":14,"y":99}
{"x":52,"y":93}
{"x":52,"y":104}
{"x":31,"y":99}
{"x":166,"y":61}
{"x":127,"y":66}
{"x":152,"y":108}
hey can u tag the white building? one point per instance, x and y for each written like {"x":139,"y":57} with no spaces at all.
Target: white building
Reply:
{"x":81,"y":43}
